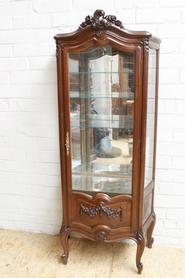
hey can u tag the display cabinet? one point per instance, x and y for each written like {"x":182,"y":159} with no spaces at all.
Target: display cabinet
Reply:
{"x":107,"y":96}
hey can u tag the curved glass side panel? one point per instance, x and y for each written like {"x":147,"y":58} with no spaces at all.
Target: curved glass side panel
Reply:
{"x":150,"y":121}
{"x":101,"y":83}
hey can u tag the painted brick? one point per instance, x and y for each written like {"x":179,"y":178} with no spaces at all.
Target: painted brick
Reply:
{"x":23,"y":36}
{"x":68,"y":19}
{"x":32,"y":49}
{"x":171,"y":188}
{"x":150,"y":27}
{"x":164,"y":135}
{"x":5,"y":50}
{"x":178,"y":162}
{"x":43,"y":63}
{"x":148,"y":16}
{"x":119,"y":4}
{"x":127,"y":16}
{"x":182,"y":75}
{"x":13,"y":64}
{"x":33,"y":105}
{"x":16,"y":8}
{"x":161,"y":213}
{"x":39,"y":130}
{"x":176,"y":233}
{"x":171,"y":3}
{"x":181,"y":45}
{"x":176,"y":213}
{"x":78,"y":4}
{"x":30,"y":167}
{"x":168,"y":107}
{"x":164,"y":162}
{"x":170,"y":148}
{"x":166,"y":61}
{"x":169,"y":46}
{"x":33,"y":77}
{"x":145,"y":3}
{"x":179,"y":135}
{"x":28,"y":91}
{"x":4,"y":105}
{"x":31,"y":21}
{"x":32,"y":179}
{"x":47,"y":6}
{"x":13,"y":154}
{"x":43,"y":156}
{"x":169,"y":76}
{"x":4,"y":77}
{"x":5,"y":22}
{"x":177,"y":176}
{"x":165,"y":175}
{"x":174,"y":31}
{"x":172,"y":91}
{"x":177,"y":202}
{"x":170,"y":15}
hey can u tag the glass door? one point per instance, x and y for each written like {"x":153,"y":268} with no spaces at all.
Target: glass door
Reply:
{"x":101,"y":85}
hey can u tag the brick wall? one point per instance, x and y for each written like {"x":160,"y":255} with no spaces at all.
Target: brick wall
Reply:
{"x":29,"y":148}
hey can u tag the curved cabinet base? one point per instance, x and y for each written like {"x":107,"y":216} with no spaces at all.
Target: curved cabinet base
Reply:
{"x":102,"y":233}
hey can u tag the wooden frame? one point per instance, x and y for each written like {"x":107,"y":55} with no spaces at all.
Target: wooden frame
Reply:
{"x":97,"y":31}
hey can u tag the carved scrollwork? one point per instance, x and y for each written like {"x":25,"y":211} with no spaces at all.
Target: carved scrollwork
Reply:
{"x":99,"y":20}
{"x":100,"y":210}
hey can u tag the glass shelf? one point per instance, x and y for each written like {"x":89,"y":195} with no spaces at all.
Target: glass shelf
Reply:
{"x":98,"y":95}
{"x":99,"y":117}
{"x":116,"y":121}
{"x":102,"y":184}
{"x":97,"y":177}
{"x":103,"y":72}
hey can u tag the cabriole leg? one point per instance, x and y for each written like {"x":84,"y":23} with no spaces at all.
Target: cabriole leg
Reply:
{"x":64,"y":235}
{"x":150,"y":239}
{"x":140,"y":248}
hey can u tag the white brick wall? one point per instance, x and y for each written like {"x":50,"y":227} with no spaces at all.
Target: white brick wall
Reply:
{"x":29,"y":148}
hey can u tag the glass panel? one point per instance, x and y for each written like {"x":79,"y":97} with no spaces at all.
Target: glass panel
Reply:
{"x":101,"y":116}
{"x":149,"y":155}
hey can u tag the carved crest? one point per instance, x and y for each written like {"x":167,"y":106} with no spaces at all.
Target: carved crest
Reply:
{"x":99,"y":20}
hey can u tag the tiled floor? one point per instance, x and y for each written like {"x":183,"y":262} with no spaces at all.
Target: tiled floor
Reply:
{"x":26,"y":255}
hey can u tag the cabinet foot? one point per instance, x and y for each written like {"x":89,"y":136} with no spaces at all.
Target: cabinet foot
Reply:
{"x":140,"y":248}
{"x":150,"y":239}
{"x":64,"y":235}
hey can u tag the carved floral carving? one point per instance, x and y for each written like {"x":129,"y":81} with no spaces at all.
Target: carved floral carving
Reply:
{"x":100,"y":210}
{"x":99,"y":20}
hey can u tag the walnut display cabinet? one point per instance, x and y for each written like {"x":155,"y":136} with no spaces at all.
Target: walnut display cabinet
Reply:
{"x":107,"y":95}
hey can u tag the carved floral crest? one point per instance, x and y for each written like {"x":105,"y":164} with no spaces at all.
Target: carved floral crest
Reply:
{"x":99,"y":210}
{"x":99,"y":20}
